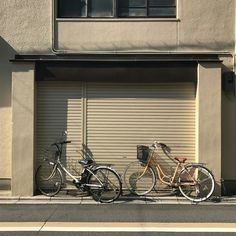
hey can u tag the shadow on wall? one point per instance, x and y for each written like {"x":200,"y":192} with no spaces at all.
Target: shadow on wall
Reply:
{"x":228,"y":160}
{"x":6,"y":53}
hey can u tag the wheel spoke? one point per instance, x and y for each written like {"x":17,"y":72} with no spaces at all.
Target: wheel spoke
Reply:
{"x":109,"y":182}
{"x":48,"y":180}
{"x":196,"y":183}
{"x":139,"y":179}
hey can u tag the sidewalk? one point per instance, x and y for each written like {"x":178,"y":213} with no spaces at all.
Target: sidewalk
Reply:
{"x":67,"y":197}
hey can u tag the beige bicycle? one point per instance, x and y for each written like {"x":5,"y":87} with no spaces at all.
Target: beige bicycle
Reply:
{"x":194,"y":181}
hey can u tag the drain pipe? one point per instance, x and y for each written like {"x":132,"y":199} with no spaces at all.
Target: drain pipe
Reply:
{"x":234,"y":56}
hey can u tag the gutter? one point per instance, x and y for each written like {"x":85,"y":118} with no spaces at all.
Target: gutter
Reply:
{"x":111,"y":58}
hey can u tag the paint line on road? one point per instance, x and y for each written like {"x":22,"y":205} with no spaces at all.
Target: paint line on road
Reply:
{"x":116,"y":227}
{"x":138,"y":229}
{"x":21,"y":226}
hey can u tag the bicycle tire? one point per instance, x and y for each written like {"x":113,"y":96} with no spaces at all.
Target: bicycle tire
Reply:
{"x":135,"y":184}
{"x":104,"y":185}
{"x":47,"y":182}
{"x":204,"y":186}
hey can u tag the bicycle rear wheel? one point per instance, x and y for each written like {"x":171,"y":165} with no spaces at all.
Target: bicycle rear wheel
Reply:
{"x":104,"y":185}
{"x":196,"y":183}
{"x":48,"y":180}
{"x":139,"y":178}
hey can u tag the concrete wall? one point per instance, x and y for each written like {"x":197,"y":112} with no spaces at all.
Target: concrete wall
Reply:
{"x":208,"y":103}
{"x":23,"y":119}
{"x":200,"y":26}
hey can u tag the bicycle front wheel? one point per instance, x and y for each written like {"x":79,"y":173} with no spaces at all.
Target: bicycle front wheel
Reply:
{"x":196,"y":183}
{"x":139,"y":178}
{"x":104,"y":185}
{"x":48,"y":180}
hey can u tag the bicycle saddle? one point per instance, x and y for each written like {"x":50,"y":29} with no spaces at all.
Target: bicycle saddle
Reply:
{"x":180,"y":159}
{"x":86,"y":162}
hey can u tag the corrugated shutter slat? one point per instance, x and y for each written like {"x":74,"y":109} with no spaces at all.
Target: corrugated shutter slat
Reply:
{"x":122,"y":115}
{"x":119,"y":116}
{"x":59,"y":108}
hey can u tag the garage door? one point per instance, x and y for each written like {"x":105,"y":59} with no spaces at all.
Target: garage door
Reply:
{"x":121,"y":116}
{"x":111,"y":119}
{"x":59,"y":109}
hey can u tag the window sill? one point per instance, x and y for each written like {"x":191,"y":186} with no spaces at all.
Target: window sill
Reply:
{"x":117,"y":19}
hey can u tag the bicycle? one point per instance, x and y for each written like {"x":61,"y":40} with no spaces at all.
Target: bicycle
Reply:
{"x":101,"y":181}
{"x":194,"y":181}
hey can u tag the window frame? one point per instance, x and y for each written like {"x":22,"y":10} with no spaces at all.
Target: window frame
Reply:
{"x":116,"y":12}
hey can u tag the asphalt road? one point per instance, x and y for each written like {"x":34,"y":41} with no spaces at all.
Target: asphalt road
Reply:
{"x":117,"y":213}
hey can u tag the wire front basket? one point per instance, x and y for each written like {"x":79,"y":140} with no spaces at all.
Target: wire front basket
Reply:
{"x":143,"y":153}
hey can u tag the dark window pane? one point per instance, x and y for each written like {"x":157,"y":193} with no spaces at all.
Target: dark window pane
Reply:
{"x":162,"y":12}
{"x":132,"y":12}
{"x":100,"y":8}
{"x":162,"y":3}
{"x":125,"y":8}
{"x":131,"y":3}
{"x":71,"y":8}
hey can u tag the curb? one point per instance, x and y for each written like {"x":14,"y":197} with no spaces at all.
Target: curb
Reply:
{"x":65,"y":199}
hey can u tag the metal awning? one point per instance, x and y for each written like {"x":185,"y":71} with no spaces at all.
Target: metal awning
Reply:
{"x":107,"y":67}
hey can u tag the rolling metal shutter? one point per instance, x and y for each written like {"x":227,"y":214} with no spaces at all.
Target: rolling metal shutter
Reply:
{"x":111,"y":119}
{"x":121,"y":116}
{"x":59,"y":108}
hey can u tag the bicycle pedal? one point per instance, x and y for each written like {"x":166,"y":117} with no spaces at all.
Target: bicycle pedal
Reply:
{"x":83,"y":188}
{"x":77,"y":183}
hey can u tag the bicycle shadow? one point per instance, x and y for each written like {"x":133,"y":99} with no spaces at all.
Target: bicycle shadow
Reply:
{"x":130,"y":197}
{"x":153,"y":196}
{"x":86,"y":153}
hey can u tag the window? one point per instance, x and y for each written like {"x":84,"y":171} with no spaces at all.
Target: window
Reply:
{"x":116,"y":8}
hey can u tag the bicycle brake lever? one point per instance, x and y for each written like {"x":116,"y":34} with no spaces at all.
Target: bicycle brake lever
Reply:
{"x":155,"y":144}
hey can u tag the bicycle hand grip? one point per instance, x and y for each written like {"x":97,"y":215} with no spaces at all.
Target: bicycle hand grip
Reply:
{"x":67,"y":142}
{"x":64,"y":142}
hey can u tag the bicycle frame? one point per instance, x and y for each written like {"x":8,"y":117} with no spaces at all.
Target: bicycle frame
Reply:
{"x":60,"y":166}
{"x":194,"y":181}
{"x":165,"y":179}
{"x":100,"y":181}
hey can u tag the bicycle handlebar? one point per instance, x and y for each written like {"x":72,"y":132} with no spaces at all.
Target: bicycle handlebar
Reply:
{"x":166,"y":150}
{"x":163,"y":146}
{"x":66,"y":142}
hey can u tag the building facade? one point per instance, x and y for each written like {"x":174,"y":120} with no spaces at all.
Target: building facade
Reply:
{"x":116,"y":74}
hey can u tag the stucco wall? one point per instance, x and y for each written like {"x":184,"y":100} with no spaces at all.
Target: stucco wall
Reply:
{"x":206,"y":25}
{"x":208,"y":102}
{"x":200,"y":26}
{"x":25,"y":27}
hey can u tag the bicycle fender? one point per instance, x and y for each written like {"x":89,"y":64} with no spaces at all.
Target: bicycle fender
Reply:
{"x":194,"y":164}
